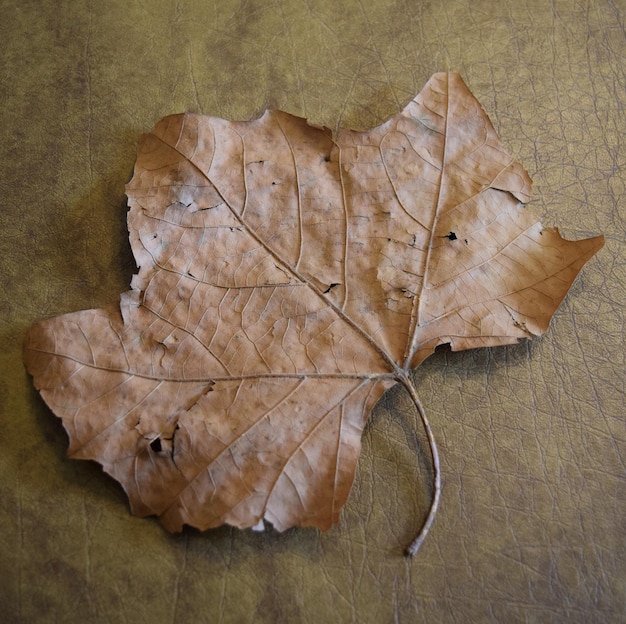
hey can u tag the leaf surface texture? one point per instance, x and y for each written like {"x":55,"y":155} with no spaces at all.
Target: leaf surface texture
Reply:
{"x":288,"y":277}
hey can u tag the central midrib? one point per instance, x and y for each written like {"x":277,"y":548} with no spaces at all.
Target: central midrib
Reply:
{"x":417,"y":301}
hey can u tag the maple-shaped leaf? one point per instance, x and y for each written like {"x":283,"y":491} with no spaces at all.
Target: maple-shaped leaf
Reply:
{"x":287,"y":278}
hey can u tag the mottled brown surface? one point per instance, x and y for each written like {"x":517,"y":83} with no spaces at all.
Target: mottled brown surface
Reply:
{"x":532,"y":436}
{"x":286,"y":279}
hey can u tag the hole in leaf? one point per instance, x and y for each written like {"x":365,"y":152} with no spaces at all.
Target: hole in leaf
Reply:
{"x":156,"y":446}
{"x":451,"y":236}
{"x":330,"y":288}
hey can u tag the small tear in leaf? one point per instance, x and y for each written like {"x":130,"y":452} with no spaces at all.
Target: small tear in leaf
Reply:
{"x":156,"y":445}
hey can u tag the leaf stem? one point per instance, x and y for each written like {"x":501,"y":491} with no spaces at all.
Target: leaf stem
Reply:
{"x":415,"y":545}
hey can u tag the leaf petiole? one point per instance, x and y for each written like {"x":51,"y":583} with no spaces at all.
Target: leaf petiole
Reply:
{"x":416,"y":544}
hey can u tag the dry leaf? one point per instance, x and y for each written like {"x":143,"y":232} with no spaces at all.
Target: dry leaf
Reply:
{"x":287,"y":278}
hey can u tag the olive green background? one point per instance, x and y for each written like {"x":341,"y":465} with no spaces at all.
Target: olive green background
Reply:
{"x":531,"y":526}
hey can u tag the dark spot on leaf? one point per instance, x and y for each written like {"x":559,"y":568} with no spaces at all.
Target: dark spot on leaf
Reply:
{"x":466,"y":242}
{"x":156,"y":446}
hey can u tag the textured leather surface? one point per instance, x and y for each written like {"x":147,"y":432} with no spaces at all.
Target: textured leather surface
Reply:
{"x":531,"y":525}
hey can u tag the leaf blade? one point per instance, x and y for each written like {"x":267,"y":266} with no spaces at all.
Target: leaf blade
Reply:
{"x":286,"y":279}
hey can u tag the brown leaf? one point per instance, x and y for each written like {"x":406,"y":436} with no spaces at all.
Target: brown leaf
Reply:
{"x":287,"y":278}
